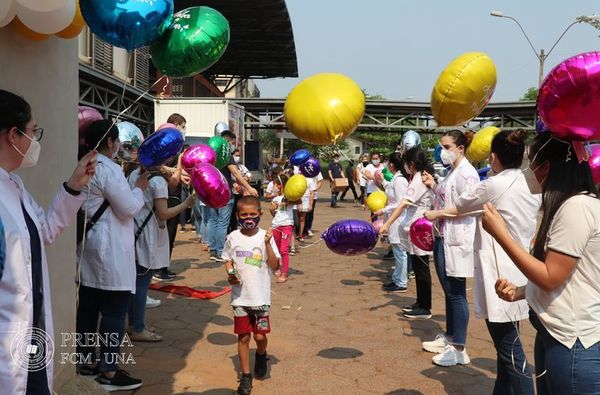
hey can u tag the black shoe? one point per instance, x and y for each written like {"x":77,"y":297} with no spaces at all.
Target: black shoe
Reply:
{"x":394,"y":288}
{"x":388,"y":285}
{"x":419,"y":313}
{"x":122,"y":381}
{"x":171,"y":274}
{"x":161,"y":276}
{"x":260,"y":365}
{"x":87,"y":371}
{"x":245,"y":387}
{"x":213,"y":255}
{"x":409,"y":308}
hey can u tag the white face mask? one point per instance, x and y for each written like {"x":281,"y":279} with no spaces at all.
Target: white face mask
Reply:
{"x":376,"y":162}
{"x":448,"y":157}
{"x":30,"y":158}
{"x":535,"y":187}
{"x":115,"y":153}
{"x":407,"y":169}
{"x":237,"y":159}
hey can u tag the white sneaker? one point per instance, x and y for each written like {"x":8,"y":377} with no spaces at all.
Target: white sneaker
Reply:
{"x":451,"y":356}
{"x":436,"y":346}
{"x":310,"y":233}
{"x":152,"y":303}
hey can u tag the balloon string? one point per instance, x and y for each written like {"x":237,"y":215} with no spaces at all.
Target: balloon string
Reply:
{"x":306,"y":246}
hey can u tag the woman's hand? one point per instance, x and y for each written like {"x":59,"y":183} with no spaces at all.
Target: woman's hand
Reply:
{"x":493,"y":222}
{"x":83,"y":173}
{"x":191,"y":200}
{"x":432,"y":215}
{"x":427,"y":179}
{"x":506,"y":291}
{"x":385,"y":228}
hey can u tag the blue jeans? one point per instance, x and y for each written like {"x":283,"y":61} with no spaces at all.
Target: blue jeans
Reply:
{"x":400,"y":275}
{"x":137,"y":309}
{"x":510,"y":377}
{"x":218,"y":223}
{"x":455,"y":292}
{"x":568,"y":371}
{"x":201,"y":215}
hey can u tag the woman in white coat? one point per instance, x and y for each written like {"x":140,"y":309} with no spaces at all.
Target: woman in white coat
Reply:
{"x":395,"y":191}
{"x":25,"y":305}
{"x":453,"y":249}
{"x":508,"y":191}
{"x":107,"y":262}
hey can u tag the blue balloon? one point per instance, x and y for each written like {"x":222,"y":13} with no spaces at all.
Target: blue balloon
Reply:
{"x":483,"y":173}
{"x":351,"y":237}
{"x":437,"y":154}
{"x":310,"y":168}
{"x":128,"y":24}
{"x":410,"y":139}
{"x":299,"y":157}
{"x":160,"y":147}
{"x":541,"y":127}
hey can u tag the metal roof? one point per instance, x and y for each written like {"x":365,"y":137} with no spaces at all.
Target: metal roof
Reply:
{"x":262,"y":40}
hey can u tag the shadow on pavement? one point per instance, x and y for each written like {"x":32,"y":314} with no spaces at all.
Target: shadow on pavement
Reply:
{"x":340,"y":353}
{"x":404,"y":392}
{"x":460,"y":379}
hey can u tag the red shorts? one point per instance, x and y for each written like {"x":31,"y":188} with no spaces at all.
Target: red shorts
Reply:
{"x":248,"y":319}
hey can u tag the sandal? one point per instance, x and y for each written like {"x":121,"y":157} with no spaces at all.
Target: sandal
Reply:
{"x":145,"y":336}
{"x":283,"y":278}
{"x":292,"y":251}
{"x":277,"y":273}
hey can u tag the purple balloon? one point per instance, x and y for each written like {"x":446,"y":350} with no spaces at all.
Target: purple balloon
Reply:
{"x":311,"y":167}
{"x":540,"y":127}
{"x":160,"y":147}
{"x":569,"y":99}
{"x":421,"y":234}
{"x":199,"y":153}
{"x":299,"y":157}
{"x":210,"y":185}
{"x":351,"y":237}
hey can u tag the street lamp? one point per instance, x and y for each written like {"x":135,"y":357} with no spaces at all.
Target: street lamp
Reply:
{"x":542,"y":56}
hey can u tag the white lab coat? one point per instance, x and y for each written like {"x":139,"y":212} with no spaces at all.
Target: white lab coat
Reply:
{"x":109,"y":258}
{"x":16,"y":299}
{"x":508,"y":191}
{"x":421,"y":196}
{"x":459,"y":233}
{"x":395,"y":191}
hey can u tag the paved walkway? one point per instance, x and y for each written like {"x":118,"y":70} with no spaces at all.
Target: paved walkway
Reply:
{"x":334,"y":330}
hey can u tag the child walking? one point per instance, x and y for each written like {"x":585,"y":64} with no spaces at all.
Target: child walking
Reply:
{"x":283,"y":227}
{"x":250,"y":256}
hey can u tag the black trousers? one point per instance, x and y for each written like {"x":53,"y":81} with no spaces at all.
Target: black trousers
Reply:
{"x":310,"y":216}
{"x":423,"y":280}
{"x":350,"y":188}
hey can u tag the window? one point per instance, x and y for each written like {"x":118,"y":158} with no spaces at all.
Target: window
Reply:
{"x":357,"y":150}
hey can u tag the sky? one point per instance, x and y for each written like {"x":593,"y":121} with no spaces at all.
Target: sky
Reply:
{"x":397,"y":48}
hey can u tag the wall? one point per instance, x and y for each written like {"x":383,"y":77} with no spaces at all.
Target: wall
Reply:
{"x":45,"y":73}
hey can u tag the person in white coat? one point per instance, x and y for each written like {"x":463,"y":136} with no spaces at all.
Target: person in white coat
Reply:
{"x":453,"y":249}
{"x":507,"y":190}
{"x":417,"y":200}
{"x":106,"y":260}
{"x":25,"y":304}
{"x":395,"y":191}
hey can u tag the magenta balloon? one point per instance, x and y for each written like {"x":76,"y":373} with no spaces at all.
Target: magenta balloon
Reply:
{"x":378,"y":224}
{"x":199,"y":153}
{"x":210,"y":185}
{"x":569,"y":98}
{"x":421,"y":234}
{"x":594,"y":162}
{"x":85,"y":116}
{"x":166,"y":125}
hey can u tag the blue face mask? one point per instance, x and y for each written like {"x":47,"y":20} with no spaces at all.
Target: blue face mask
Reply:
{"x":249,"y":223}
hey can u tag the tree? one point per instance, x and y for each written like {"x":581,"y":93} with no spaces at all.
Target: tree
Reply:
{"x":530,"y":95}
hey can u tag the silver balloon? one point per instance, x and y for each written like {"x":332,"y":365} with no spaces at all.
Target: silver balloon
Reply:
{"x":410,"y":139}
{"x":220,"y":127}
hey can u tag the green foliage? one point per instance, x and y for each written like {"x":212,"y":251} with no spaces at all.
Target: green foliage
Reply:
{"x":530,"y":95}
{"x":269,"y":141}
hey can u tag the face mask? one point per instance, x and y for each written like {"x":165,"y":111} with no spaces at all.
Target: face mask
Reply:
{"x":30,"y":158}
{"x":336,"y":161}
{"x":535,"y":187}
{"x":448,"y":157}
{"x":249,"y":223}
{"x":115,"y":154}
{"x":237,"y":159}
{"x":407,"y":169}
{"x":365,"y":163}
{"x":231,"y":147}
{"x":376,"y":162}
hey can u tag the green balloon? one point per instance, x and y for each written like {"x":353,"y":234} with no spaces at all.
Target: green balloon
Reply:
{"x":387,"y":174}
{"x":196,"y":40}
{"x":221,"y":147}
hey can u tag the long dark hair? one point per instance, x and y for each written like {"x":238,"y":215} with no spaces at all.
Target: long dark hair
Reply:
{"x":419,"y":159}
{"x":14,"y":111}
{"x":397,"y":160}
{"x":510,"y":148}
{"x":566,"y":178}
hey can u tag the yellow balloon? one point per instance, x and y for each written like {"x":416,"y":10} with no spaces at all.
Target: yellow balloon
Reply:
{"x":295,"y":187}
{"x":377,"y":201}
{"x":27,"y":32}
{"x":481,"y":145}
{"x":324,"y":109}
{"x":463,"y":89}
{"x":75,"y":27}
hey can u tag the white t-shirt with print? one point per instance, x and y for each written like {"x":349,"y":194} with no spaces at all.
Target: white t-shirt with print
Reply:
{"x":371,"y":168}
{"x":249,"y":257}
{"x":284,"y":216}
{"x":572,"y":311}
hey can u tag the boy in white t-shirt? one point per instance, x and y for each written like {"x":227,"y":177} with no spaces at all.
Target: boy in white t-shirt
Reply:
{"x":250,"y":256}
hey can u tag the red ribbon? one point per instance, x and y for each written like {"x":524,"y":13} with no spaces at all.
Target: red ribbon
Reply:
{"x":189,"y":292}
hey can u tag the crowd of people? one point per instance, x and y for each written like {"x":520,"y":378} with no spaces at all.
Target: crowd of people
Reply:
{"x":482,"y":230}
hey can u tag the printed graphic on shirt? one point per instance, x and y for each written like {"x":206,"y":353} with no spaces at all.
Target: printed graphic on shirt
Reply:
{"x":253,"y":258}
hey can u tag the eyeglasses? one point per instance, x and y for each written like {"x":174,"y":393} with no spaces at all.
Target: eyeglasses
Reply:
{"x":38,"y":133}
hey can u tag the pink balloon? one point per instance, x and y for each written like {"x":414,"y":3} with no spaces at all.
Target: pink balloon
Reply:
{"x":378,"y":224}
{"x":166,"y":125}
{"x":594,"y":162}
{"x":199,"y":153}
{"x":85,"y":116}
{"x":210,"y":185}
{"x":569,"y":98}
{"x":421,"y":234}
